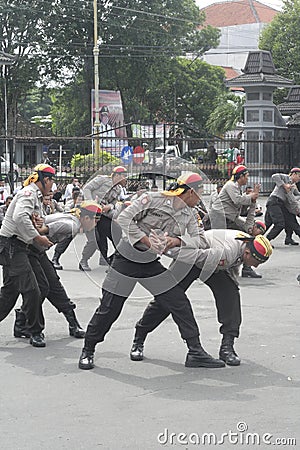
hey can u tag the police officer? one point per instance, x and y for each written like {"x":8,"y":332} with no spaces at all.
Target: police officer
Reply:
{"x":226,"y":211}
{"x":277,"y":212}
{"x":107,"y":191}
{"x":136,"y":260}
{"x":57,"y":227}
{"x":218,"y":268}
{"x":20,"y":274}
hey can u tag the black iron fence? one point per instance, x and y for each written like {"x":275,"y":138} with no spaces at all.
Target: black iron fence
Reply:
{"x":151,"y":160}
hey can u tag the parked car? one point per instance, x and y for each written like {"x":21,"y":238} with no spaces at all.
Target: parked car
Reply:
{"x":5,"y":168}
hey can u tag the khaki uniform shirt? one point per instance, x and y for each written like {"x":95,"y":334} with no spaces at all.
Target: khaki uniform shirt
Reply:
{"x":103,"y":191}
{"x":292,"y":198}
{"x":17,"y":221}
{"x":225,"y":252}
{"x":156,"y":211}
{"x":62,"y":226}
{"x":228,"y":205}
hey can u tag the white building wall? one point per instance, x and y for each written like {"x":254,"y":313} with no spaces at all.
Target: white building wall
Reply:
{"x":235,"y":43}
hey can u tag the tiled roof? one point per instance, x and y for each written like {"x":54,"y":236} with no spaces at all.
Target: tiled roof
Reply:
{"x":238,"y":12}
{"x":230,"y":72}
{"x":259,"y":78}
{"x":288,"y":109}
{"x":292,"y":104}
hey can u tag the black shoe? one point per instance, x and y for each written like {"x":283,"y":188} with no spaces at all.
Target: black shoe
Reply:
{"x":137,"y":352}
{"x":290,"y":242}
{"x":83,"y":265}
{"x":202,"y":359}
{"x":75,"y":329}
{"x":227,"y":352}
{"x":77,"y":332}
{"x":248,"y":272}
{"x":20,"y":329}
{"x":298,"y":278}
{"x":38,"y":340}
{"x":86,"y":360}
{"x":56,"y":264}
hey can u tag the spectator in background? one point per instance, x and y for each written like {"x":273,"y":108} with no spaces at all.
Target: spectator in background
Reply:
{"x":231,"y":155}
{"x":212,"y":155}
{"x":69,"y":188}
{"x":55,"y":204}
{"x":3,"y":208}
{"x":3,"y":192}
{"x":46,"y":205}
{"x":72,"y":202}
{"x":240,"y":159}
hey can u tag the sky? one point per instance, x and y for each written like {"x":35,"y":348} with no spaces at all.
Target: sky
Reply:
{"x":276,"y":4}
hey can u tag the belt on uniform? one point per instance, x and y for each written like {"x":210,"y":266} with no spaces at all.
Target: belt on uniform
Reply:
{"x":19,"y":242}
{"x":133,"y":254}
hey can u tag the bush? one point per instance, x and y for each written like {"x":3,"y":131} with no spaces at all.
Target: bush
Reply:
{"x":86,"y":165}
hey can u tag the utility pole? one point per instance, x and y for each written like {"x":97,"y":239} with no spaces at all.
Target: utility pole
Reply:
{"x":96,"y":82}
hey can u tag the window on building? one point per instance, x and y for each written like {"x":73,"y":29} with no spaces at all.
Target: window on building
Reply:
{"x":253,"y":96}
{"x":268,"y":147}
{"x":267,"y":96}
{"x":267,"y":115}
{"x":252,"y":147}
{"x":30,"y":155}
{"x":252,"y":115}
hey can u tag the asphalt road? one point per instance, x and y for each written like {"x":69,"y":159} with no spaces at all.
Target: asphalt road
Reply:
{"x":48,"y":403}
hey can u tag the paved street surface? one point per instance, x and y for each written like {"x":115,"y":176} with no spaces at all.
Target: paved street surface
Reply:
{"x":48,"y":403}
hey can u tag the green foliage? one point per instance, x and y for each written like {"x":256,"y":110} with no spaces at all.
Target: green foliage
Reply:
{"x":226,"y":115}
{"x":88,"y":164}
{"x":141,"y":44}
{"x":282,"y":38}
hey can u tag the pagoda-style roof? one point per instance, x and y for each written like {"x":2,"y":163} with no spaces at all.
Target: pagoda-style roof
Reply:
{"x":259,"y":70}
{"x":292,"y":104}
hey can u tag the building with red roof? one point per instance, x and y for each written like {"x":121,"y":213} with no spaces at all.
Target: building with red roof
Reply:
{"x":240,"y":22}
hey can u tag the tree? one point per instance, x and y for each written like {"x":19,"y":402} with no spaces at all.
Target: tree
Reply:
{"x":226,"y":115}
{"x":282,"y":38}
{"x":140,"y":56}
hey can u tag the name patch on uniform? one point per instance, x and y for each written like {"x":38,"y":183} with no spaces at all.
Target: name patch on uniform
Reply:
{"x":27,"y":193}
{"x":145,"y":200}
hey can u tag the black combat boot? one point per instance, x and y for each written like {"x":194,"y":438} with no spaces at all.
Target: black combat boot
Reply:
{"x":38,"y":340}
{"x":290,"y":241}
{"x":74,"y":326}
{"x":86,"y":360}
{"x":55,"y":262}
{"x":20,"y":329}
{"x":227,"y":352}
{"x":137,"y":349}
{"x":198,"y":357}
{"x":248,"y":272}
{"x":84,"y":266}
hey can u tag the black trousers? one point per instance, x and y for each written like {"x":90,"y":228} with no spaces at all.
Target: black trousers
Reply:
{"x":118,"y":285}
{"x":107,"y":229}
{"x":62,"y":246}
{"x":23,"y":274}
{"x":56,"y":294}
{"x":281,"y":218}
{"x":227,"y":300}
